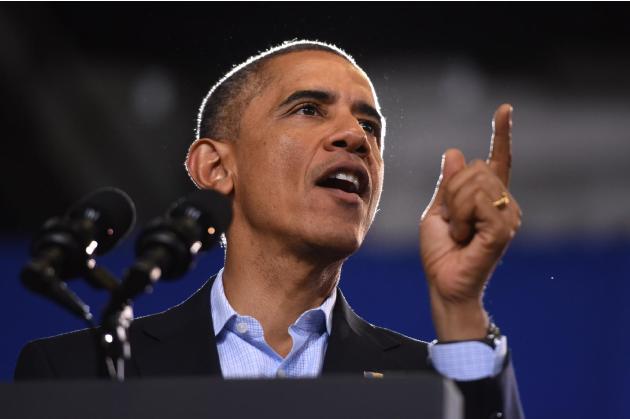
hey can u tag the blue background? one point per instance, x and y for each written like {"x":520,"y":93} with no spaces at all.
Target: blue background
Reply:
{"x":563,"y":306}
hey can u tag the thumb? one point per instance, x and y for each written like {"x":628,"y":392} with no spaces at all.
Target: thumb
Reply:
{"x":453,"y":161}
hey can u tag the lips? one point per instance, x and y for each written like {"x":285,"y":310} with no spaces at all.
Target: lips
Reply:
{"x":348,"y":177}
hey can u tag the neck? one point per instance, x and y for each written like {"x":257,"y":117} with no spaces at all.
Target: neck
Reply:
{"x":267,"y":281}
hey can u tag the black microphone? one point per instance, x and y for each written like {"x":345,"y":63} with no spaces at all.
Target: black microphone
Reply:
{"x":167,"y":247}
{"x":108,"y":214}
{"x":64,"y":247}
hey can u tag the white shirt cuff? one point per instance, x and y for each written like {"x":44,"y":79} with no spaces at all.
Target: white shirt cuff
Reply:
{"x":468,"y":360}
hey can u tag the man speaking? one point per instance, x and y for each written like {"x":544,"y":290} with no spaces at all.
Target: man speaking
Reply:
{"x":295,"y":138}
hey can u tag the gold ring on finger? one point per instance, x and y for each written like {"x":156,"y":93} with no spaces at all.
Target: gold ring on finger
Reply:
{"x":502,"y":202}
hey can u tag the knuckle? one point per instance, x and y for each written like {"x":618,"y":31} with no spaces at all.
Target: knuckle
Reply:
{"x":503,"y":235}
{"x":480,"y":195}
{"x":484,"y":178}
{"x":479,"y":164}
{"x":476,"y":177}
{"x":516,"y":208}
{"x":507,"y":234}
{"x":518,"y":223}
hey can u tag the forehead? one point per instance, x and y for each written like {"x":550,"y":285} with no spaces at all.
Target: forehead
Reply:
{"x":318,"y":70}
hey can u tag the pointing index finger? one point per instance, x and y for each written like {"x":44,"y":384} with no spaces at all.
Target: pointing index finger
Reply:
{"x":500,"y":157}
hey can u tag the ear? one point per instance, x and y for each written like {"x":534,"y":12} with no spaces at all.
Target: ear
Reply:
{"x":209,"y":165}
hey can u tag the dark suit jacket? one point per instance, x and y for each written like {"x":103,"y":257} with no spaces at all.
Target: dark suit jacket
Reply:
{"x":180,"y":341}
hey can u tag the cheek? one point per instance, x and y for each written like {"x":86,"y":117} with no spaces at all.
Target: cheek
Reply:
{"x":292,"y":158}
{"x":274,"y":167}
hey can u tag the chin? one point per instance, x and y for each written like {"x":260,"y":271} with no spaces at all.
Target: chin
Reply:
{"x":335,"y":244}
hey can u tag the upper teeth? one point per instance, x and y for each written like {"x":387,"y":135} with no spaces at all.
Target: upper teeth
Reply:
{"x":349,"y":177}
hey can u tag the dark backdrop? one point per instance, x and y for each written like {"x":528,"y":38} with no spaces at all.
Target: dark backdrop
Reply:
{"x":97,"y":94}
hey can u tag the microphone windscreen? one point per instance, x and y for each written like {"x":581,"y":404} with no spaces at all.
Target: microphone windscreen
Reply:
{"x":111,"y":210}
{"x":210,"y":209}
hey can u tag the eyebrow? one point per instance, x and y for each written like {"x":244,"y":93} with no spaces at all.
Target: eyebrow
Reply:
{"x":367,"y":109}
{"x":328,"y":97}
{"x":319,"y":95}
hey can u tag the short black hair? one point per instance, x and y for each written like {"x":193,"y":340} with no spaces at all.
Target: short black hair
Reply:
{"x":220,"y":111}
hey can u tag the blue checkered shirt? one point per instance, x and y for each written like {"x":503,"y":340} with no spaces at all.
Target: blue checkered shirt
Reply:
{"x":244,"y":353}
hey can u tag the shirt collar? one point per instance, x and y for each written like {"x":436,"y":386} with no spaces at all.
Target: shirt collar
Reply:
{"x":222,"y":311}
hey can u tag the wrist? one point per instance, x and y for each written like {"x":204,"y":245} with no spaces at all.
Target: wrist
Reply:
{"x":459,"y":320}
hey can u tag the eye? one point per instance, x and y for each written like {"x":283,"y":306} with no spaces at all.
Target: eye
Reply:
{"x":370,"y":127}
{"x":307,"y":109}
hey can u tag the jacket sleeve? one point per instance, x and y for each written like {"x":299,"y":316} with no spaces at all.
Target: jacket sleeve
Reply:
{"x":494,"y":397}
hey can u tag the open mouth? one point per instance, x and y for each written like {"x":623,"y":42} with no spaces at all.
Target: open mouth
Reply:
{"x":347,"y":179}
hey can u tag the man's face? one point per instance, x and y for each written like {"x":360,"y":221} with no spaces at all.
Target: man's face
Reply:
{"x":309,"y":169}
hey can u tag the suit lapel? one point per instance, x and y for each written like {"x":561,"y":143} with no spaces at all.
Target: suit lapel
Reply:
{"x":353,"y":346}
{"x":179,"y":341}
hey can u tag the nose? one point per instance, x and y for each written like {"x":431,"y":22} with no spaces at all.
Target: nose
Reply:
{"x":351,"y":138}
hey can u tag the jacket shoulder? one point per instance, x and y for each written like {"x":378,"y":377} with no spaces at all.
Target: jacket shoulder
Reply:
{"x":69,"y":355}
{"x":79,"y":354}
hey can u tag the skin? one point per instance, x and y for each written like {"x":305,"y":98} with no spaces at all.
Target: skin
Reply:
{"x":463,"y":235}
{"x":290,"y":237}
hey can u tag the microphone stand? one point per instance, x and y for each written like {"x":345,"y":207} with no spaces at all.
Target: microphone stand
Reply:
{"x":118,"y":315}
{"x":115,"y":341}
